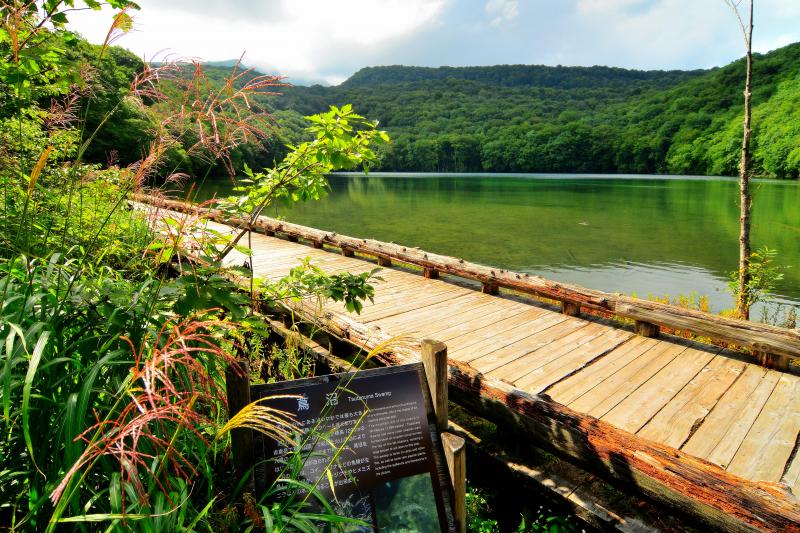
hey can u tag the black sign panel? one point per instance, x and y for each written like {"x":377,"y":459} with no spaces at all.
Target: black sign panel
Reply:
{"x":389,"y":470}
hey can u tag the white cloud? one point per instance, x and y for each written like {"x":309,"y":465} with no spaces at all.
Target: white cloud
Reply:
{"x":295,"y":36}
{"x":590,"y":7}
{"x":502,"y":11}
{"x":331,"y":39}
{"x":673,"y":33}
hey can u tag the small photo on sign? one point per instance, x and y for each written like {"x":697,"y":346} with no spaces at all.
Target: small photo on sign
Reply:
{"x":406,"y":504}
{"x":369,"y":445}
{"x":355,"y":505}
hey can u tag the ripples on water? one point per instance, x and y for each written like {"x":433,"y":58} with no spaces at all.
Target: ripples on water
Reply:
{"x":649,"y":235}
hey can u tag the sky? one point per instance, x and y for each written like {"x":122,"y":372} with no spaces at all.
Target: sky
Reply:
{"x":326,"y":41}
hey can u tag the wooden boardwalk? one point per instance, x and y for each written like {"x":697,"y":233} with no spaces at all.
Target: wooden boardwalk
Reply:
{"x":708,"y":402}
{"x":711,"y":403}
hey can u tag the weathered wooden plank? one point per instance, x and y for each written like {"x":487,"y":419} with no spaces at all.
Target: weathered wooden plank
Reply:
{"x":274,"y":244}
{"x":632,"y":413}
{"x":432,"y":318}
{"x":327,"y":263}
{"x":488,"y":315}
{"x":609,"y":393}
{"x":596,"y":347}
{"x":276,"y":271}
{"x":724,"y":429}
{"x":771,"y":440}
{"x":502,"y":334}
{"x":575,"y":386}
{"x":268,"y":250}
{"x":264,"y":263}
{"x":674,"y":423}
{"x":474,"y":307}
{"x":408,"y":294}
{"x":405,"y":291}
{"x":537,"y":358}
{"x":546,"y":337}
{"x":392,"y":280}
{"x":406,"y":301}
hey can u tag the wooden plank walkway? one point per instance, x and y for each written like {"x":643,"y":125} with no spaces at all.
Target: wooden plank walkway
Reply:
{"x":708,"y":402}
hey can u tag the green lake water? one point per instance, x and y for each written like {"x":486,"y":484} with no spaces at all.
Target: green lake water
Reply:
{"x":648,"y":235}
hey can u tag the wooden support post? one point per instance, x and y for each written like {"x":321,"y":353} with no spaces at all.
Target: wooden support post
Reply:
{"x":430,"y":273}
{"x":318,"y":245}
{"x":237,"y":381}
{"x":455,"y":453}
{"x":490,"y":288}
{"x":434,"y":359}
{"x":384,"y":261}
{"x":269,"y":233}
{"x":292,"y":238}
{"x":781,"y":363}
{"x":646,"y":329}
{"x":347,"y":252}
{"x":570,"y":309}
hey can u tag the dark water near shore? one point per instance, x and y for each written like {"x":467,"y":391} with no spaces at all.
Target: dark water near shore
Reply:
{"x":649,"y":235}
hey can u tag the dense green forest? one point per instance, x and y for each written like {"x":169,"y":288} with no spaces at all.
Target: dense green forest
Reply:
{"x":576,"y":119}
{"x":518,"y":118}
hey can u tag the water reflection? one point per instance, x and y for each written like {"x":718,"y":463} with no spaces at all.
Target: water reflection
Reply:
{"x":645,"y":234}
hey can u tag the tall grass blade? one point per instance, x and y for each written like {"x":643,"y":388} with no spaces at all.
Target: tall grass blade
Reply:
{"x":202,"y":514}
{"x":36,"y":357}
{"x":14,"y":331}
{"x":102,"y":517}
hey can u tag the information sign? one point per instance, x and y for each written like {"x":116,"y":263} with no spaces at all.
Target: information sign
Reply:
{"x":390,"y":470}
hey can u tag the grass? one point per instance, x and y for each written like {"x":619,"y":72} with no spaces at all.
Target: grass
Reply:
{"x":112,"y":355}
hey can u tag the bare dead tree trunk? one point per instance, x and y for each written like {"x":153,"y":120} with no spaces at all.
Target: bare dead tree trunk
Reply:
{"x":745,"y":201}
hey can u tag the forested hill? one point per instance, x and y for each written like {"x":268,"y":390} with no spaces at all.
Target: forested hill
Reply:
{"x":522,"y":76}
{"x":575,"y":119}
{"x":517,"y":118}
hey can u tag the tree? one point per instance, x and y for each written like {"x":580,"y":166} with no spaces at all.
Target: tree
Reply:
{"x":745,"y":201}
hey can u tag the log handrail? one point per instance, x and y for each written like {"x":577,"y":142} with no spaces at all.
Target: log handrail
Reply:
{"x":776,"y":347}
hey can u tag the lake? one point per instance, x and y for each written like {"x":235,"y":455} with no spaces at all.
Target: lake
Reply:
{"x":643,"y":235}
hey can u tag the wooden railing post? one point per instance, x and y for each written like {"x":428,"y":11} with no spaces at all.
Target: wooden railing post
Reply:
{"x":292,"y":238}
{"x":430,"y":273}
{"x":570,"y":309}
{"x":646,"y":329}
{"x":384,"y":261}
{"x":490,"y":288}
{"x":434,"y":359}
{"x":347,"y":252}
{"x":237,"y":381}
{"x":318,"y":245}
{"x":455,"y":453}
